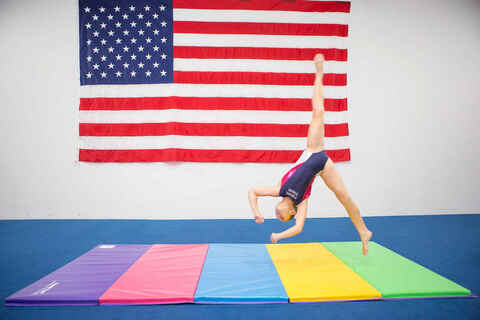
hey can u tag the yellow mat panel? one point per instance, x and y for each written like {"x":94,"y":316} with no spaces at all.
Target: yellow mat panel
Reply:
{"x":310,"y":272}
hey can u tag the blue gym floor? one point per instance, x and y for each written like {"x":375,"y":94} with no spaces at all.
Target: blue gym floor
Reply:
{"x":446,"y":244}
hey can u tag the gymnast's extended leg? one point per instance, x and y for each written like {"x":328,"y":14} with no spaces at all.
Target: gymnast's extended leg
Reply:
{"x":332,"y":179}
{"x":329,"y":174}
{"x":316,"y":131}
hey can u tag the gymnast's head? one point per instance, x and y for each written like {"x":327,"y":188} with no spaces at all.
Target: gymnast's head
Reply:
{"x":285,"y":209}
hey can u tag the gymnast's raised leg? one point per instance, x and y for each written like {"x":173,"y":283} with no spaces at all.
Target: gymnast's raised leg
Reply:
{"x":330,"y":174}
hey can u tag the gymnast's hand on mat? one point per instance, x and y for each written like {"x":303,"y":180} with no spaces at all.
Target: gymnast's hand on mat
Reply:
{"x":274,"y":237}
{"x":297,"y":228}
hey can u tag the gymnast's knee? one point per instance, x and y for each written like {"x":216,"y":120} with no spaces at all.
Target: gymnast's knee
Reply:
{"x":342,"y":195}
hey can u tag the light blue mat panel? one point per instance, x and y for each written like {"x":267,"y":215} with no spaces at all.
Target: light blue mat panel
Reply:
{"x":239,"y":273}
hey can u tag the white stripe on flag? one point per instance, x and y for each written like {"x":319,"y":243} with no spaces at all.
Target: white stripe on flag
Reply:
{"x":254,"y":40}
{"x":211,"y":90}
{"x":261,"y":16}
{"x":202,"y":142}
{"x":208,"y":116}
{"x":252,"y":65}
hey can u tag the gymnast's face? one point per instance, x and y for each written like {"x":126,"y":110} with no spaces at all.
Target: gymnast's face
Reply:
{"x":284,"y":210}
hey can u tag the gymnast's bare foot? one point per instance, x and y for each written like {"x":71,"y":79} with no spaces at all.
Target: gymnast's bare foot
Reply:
{"x":319,"y":59}
{"x":365,"y":237}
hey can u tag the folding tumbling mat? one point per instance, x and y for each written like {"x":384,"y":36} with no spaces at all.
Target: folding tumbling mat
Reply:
{"x":235,"y":273}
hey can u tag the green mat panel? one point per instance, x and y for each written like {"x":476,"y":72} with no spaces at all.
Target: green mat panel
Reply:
{"x":393,"y":275}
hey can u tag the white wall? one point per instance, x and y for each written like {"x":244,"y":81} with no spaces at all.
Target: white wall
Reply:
{"x":414,"y":107}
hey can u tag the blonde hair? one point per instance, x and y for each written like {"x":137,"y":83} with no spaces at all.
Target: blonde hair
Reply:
{"x":285,"y":207}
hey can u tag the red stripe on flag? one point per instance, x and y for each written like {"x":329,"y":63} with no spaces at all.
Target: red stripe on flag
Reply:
{"x":207,"y":103}
{"x":206,"y":129}
{"x":200,"y":155}
{"x":261,"y":78}
{"x":295,"y":29}
{"x":257,"y":53}
{"x":305,"y":6}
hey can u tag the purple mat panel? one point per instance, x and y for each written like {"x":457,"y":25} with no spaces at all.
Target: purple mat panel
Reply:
{"x":82,"y":281}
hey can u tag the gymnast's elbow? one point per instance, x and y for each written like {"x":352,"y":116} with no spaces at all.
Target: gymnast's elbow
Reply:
{"x":298,"y":229}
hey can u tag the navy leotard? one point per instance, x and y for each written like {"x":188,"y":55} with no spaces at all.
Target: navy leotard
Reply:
{"x":297,"y":182}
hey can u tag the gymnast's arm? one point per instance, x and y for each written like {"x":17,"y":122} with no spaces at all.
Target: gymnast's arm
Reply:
{"x":299,"y":222}
{"x":256,"y":192}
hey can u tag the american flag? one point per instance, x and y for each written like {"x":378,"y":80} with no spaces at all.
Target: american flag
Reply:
{"x":209,"y":80}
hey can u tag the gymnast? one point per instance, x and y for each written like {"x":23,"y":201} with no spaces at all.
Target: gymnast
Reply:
{"x":296,"y":184}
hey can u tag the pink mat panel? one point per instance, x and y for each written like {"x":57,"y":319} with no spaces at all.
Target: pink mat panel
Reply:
{"x":164,"y":274}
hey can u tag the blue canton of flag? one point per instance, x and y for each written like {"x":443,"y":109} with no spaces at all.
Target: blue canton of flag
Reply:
{"x":126,"y":42}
